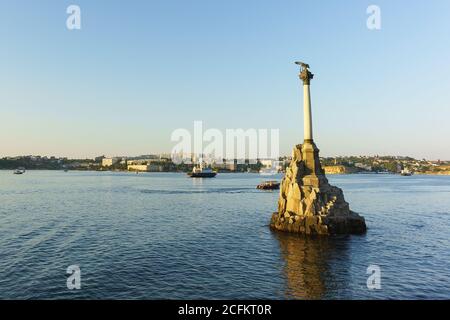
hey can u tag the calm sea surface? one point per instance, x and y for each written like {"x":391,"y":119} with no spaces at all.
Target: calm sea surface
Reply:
{"x":163,"y":235}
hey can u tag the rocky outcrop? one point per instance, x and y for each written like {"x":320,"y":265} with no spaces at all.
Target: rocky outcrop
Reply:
{"x":308,"y":204}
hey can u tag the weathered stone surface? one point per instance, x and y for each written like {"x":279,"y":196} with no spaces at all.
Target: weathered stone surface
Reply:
{"x":308,"y":203}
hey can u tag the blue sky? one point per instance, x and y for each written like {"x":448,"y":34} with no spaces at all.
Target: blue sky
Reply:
{"x":137,"y":70}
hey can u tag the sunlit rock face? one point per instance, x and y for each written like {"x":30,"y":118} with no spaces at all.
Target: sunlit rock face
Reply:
{"x":308,"y":204}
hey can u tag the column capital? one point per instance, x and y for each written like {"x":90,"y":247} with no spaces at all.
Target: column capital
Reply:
{"x":305,"y":75}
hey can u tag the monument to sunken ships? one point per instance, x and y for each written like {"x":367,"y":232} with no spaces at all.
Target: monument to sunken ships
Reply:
{"x":308,"y":204}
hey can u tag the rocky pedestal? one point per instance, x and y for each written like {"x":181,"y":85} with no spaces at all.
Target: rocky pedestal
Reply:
{"x":308,"y":204}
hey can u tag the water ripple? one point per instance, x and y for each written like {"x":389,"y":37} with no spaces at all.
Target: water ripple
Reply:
{"x":159,"y":236}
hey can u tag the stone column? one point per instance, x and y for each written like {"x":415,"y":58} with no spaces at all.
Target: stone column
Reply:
{"x":306,"y":77}
{"x":308,"y":203}
{"x":307,"y":130}
{"x":313,"y":175}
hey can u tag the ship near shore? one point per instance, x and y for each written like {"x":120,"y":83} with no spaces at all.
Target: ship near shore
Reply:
{"x":20,"y":170}
{"x":268,"y":185}
{"x":201,"y":172}
{"x":406,"y":173}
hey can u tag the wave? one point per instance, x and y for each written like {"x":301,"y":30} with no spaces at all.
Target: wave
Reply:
{"x":214,"y":190}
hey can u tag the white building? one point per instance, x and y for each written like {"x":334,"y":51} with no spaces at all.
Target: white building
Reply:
{"x":108,"y":162}
{"x":271,"y":164}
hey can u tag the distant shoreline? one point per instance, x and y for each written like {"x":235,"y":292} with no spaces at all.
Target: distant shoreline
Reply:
{"x":446,"y":173}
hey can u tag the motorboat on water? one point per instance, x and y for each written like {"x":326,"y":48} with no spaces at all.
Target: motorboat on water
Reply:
{"x":405,"y":172}
{"x":268,"y":185}
{"x":200,"y":172}
{"x":20,"y":170}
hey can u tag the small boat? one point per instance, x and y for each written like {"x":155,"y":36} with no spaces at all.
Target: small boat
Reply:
{"x":406,"y":173}
{"x":200,"y":172}
{"x":19,"y":171}
{"x":268,"y":185}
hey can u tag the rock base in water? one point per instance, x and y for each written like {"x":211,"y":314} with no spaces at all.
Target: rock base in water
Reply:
{"x":320,"y":225}
{"x":308,"y":204}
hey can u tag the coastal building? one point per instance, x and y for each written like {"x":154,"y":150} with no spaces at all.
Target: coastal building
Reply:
{"x":148,"y":164}
{"x":225,"y":165}
{"x":272,"y":164}
{"x":267,"y":163}
{"x":137,"y":162}
{"x":155,"y":167}
{"x":138,"y":167}
{"x":165,"y":156}
{"x":339,"y":169}
{"x":147,"y":161}
{"x":108,"y":162}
